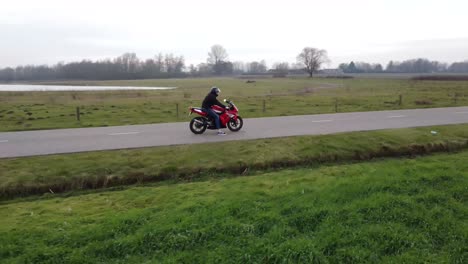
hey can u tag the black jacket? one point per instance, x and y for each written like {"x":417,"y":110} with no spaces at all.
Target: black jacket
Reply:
{"x":211,"y":100}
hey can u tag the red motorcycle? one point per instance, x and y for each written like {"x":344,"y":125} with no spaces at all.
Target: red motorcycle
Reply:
{"x":227,"y":118}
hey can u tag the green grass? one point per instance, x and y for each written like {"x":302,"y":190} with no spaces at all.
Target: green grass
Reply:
{"x":288,"y":96}
{"x":386,"y":211}
{"x":59,"y":173}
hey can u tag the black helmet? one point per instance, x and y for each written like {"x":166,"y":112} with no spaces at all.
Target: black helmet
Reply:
{"x":215,"y":90}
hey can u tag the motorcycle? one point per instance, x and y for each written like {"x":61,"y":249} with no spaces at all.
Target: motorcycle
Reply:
{"x":228,"y":117}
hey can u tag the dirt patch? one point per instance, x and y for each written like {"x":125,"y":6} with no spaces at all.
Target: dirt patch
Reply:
{"x":441,"y":78}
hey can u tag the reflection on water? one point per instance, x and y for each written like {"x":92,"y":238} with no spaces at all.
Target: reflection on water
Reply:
{"x":29,"y":88}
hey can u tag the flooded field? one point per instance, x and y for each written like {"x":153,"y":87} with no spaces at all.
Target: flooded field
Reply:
{"x":49,"y":88}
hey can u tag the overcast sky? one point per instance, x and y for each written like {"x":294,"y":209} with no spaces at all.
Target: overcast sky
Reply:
{"x":376,"y":31}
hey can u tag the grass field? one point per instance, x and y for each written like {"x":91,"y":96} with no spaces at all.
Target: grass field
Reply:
{"x":385,"y":211}
{"x":265,"y":97}
{"x":307,"y":199}
{"x":59,"y":173}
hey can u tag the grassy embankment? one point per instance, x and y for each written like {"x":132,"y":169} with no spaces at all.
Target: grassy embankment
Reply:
{"x":386,"y":211}
{"x":59,"y":173}
{"x":289,"y":96}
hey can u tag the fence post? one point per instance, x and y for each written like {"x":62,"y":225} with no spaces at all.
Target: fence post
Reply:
{"x":336,"y":105}
{"x":78,"y":113}
{"x":400,"y":100}
{"x":264,"y":106}
{"x":177,"y":110}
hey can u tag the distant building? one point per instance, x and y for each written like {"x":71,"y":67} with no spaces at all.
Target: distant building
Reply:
{"x":331,"y":71}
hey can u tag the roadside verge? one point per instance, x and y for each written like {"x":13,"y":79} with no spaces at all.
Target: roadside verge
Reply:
{"x":94,"y":170}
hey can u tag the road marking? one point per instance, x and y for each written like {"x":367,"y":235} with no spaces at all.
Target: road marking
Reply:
{"x":3,"y":141}
{"x":461,"y":112}
{"x":126,"y":133}
{"x":321,"y":121}
{"x":396,"y":116}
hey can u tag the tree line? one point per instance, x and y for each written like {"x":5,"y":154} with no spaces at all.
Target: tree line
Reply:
{"x":129,"y":66}
{"x":419,"y":65}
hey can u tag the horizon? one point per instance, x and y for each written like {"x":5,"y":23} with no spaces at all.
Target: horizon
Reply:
{"x":268,"y":65}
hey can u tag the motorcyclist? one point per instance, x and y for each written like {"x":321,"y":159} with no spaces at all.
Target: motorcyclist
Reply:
{"x":208,"y":102}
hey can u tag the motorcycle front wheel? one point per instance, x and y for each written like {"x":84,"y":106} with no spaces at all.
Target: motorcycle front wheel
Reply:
{"x":235,"y":125}
{"x":198,"y":125}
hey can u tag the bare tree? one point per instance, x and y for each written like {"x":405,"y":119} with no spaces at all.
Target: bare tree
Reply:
{"x":217,"y":58}
{"x":159,"y":60}
{"x":130,"y":62}
{"x":169,"y":63}
{"x":281,"y":69}
{"x":312,"y":58}
{"x":204,"y":69}
{"x":238,"y":67}
{"x":217,"y":55}
{"x":193,"y":70}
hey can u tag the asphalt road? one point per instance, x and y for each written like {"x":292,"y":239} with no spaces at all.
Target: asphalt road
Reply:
{"x":31,"y":143}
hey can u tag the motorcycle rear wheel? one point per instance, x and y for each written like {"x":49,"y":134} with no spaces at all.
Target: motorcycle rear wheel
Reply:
{"x":235,"y":125}
{"x":198,"y":125}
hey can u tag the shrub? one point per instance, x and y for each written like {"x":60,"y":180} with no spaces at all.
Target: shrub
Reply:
{"x":423,"y":102}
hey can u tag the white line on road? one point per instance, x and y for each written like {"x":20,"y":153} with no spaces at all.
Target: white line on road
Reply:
{"x":127,"y":133}
{"x":396,"y":116}
{"x":321,"y":121}
{"x":461,"y":112}
{"x":3,"y":141}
